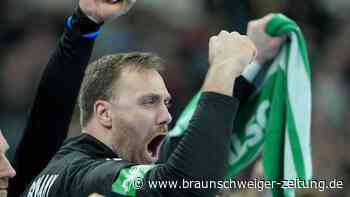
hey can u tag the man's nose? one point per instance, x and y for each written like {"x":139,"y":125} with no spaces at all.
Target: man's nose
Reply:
{"x":164,"y":117}
{"x":6,"y":170}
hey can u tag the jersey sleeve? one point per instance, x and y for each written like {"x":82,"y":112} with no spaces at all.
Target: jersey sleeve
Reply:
{"x":98,"y":177}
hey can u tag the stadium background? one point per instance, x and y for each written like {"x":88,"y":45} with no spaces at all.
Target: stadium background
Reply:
{"x":178,"y":31}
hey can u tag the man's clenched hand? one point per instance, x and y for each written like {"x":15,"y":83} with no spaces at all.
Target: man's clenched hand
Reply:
{"x":103,"y":10}
{"x":232,"y":50}
{"x":229,"y":54}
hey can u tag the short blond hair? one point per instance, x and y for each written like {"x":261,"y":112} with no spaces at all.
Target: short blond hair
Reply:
{"x":100,"y":75}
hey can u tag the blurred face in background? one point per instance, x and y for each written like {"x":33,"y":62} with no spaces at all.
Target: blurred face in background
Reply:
{"x":6,"y":170}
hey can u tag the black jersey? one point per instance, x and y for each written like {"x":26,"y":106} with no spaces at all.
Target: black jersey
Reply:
{"x":85,"y":165}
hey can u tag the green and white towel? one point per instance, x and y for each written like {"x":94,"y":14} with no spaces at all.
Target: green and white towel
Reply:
{"x":276,"y":119}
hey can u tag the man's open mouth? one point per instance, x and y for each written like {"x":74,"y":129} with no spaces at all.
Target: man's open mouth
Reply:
{"x":153,"y":147}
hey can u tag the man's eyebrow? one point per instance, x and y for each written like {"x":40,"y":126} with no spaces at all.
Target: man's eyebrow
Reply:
{"x":151,"y":95}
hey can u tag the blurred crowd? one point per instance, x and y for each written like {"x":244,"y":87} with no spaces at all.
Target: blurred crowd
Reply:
{"x":179,"y":31}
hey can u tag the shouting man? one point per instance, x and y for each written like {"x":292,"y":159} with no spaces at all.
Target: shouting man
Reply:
{"x":124,"y":115}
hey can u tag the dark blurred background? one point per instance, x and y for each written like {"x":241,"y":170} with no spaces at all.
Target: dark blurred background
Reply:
{"x":179,"y":31}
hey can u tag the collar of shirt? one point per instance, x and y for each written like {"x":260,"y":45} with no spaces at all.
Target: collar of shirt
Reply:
{"x":89,"y":145}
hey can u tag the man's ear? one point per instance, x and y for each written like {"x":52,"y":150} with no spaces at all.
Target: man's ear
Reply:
{"x":103,"y":112}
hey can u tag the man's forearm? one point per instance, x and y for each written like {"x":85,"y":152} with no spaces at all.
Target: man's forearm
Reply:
{"x":198,"y":155}
{"x":242,"y":90}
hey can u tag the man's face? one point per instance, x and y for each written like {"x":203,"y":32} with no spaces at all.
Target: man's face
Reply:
{"x":140,"y":115}
{"x":6,"y":170}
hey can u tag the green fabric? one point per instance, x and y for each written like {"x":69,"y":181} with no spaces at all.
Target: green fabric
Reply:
{"x":276,"y":120}
{"x":130,"y":179}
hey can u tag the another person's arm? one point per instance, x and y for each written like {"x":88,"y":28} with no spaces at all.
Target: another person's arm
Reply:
{"x":56,"y":96}
{"x":51,"y":112}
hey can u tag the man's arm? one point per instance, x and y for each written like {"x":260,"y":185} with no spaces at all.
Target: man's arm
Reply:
{"x":267,"y":47}
{"x":51,"y":112}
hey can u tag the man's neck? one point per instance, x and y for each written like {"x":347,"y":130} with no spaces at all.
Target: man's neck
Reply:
{"x":99,"y":133}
